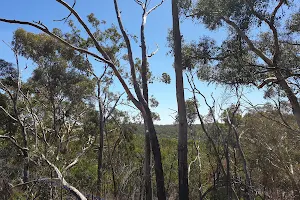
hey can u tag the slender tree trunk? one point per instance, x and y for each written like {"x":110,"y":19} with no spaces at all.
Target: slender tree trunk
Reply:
{"x":114,"y":181}
{"x":182,"y":126}
{"x":25,"y":141}
{"x":159,"y":173}
{"x":25,"y":153}
{"x":101,"y":138}
{"x":144,"y":70}
{"x":26,"y":166}
{"x":228,"y":177}
{"x":147,"y":165}
{"x":249,"y":193}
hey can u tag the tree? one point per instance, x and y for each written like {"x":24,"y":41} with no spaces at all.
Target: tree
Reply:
{"x":182,"y":118}
{"x":32,"y":138}
{"x":242,"y":60}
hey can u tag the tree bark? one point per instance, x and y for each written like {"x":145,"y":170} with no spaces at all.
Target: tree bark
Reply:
{"x":147,"y":165}
{"x":101,"y":139}
{"x":159,"y":174}
{"x":25,"y":148}
{"x":144,"y":69}
{"x":249,"y":192}
{"x":26,"y":166}
{"x":228,"y":175}
{"x":290,"y":95}
{"x":182,"y":126}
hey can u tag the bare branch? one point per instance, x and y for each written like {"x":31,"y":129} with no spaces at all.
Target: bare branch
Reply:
{"x":291,"y":43}
{"x":66,"y":18}
{"x":129,"y":50}
{"x":103,"y":74}
{"x":273,"y":15}
{"x":139,"y":2}
{"x":266,"y":81}
{"x":43,"y":28}
{"x":73,"y":190}
{"x":155,"y":7}
{"x":98,"y":47}
{"x":3,"y":87}
{"x":6,"y":112}
{"x":249,"y":42}
{"x":46,"y":30}
{"x":269,"y":118}
{"x":76,"y":159}
{"x":154,"y":52}
{"x":113,"y":108}
{"x":191,"y":82}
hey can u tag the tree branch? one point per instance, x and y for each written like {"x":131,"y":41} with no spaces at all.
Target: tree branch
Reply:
{"x":76,"y":159}
{"x":83,"y":24}
{"x":73,"y":190}
{"x":12,"y":140}
{"x":271,"y":25}
{"x":273,"y":15}
{"x":43,"y":28}
{"x":106,"y":59}
{"x":249,"y":42}
{"x":8,"y":114}
{"x":154,"y":52}
{"x":140,"y":3}
{"x":155,"y":7}
{"x":66,"y":18}
{"x":130,"y":56}
{"x":113,"y":108}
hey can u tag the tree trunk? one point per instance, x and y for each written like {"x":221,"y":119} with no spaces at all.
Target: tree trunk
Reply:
{"x":182,"y":126}
{"x":159,"y":174}
{"x":290,"y":95}
{"x":249,"y":192}
{"x":26,"y":166}
{"x":101,"y":138}
{"x":228,"y":176}
{"x":147,"y":165}
{"x":25,"y":153}
{"x":144,"y":70}
{"x":25,"y":148}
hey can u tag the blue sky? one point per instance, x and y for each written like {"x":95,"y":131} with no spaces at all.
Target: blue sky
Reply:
{"x":157,"y":27}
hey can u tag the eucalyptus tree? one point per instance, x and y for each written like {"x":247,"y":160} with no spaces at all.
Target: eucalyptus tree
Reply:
{"x":32,"y":128}
{"x":267,"y":56}
{"x":56,"y":84}
{"x":103,"y":55}
{"x":182,"y":118}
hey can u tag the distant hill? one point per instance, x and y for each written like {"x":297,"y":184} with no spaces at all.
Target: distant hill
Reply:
{"x":168,"y":130}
